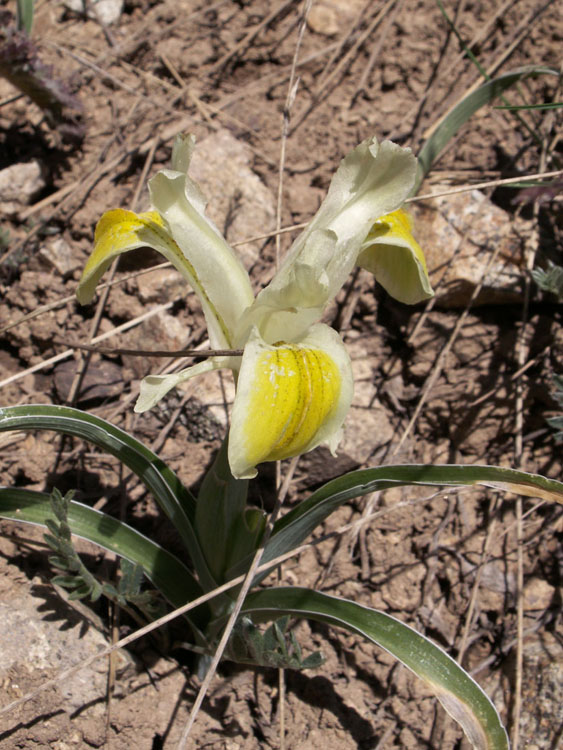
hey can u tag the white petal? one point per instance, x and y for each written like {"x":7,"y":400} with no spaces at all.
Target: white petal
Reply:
{"x":294,"y":300}
{"x":155,"y":387}
{"x":221,"y":274}
{"x":373,"y":180}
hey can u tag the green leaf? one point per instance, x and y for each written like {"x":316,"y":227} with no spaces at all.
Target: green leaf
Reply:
{"x":83,"y":591}
{"x":460,"y":695}
{"x":220,"y":505}
{"x":247,"y":533}
{"x":52,"y":541}
{"x":273,"y":648}
{"x":556,"y":423}
{"x":67,"y":582}
{"x":25,"y":15}
{"x":293,"y":528}
{"x":167,"y":489}
{"x":462,"y":112}
{"x":518,"y":107}
{"x":161,"y":567}
{"x":59,"y":562}
{"x":550,"y":279}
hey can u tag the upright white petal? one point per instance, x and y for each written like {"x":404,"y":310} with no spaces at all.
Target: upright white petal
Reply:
{"x":181,"y":203}
{"x":155,"y":387}
{"x":373,"y":180}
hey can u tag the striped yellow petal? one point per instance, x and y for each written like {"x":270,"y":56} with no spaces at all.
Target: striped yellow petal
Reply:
{"x":119,"y":231}
{"x":396,"y":259}
{"x":290,"y":398}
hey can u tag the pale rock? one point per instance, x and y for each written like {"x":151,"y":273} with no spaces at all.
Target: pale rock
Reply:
{"x":458,"y":234}
{"x":538,"y":594}
{"x":108,"y":11}
{"x":238,"y":201}
{"x":367,"y":426}
{"x":57,"y":254}
{"x":161,"y":285}
{"x":104,"y":11}
{"x":329,"y":17}
{"x":19,"y":184}
{"x":323,"y":19}
{"x":34,"y":641}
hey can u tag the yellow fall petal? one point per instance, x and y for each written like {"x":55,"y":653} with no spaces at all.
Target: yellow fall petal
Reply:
{"x":396,"y":259}
{"x":290,"y":398}
{"x":119,"y":231}
{"x":116,"y":232}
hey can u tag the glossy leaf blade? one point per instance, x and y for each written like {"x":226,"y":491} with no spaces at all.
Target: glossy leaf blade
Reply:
{"x":293,"y":528}
{"x":160,"y":480}
{"x":462,"y":111}
{"x":460,"y":695}
{"x":166,"y":572}
{"x":25,"y":15}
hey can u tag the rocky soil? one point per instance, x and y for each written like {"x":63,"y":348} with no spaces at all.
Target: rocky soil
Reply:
{"x":435,"y":383}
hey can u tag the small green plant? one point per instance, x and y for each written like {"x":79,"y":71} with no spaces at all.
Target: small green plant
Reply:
{"x":276,"y":647}
{"x":5,"y":238}
{"x":77,"y":578}
{"x":550,"y":279}
{"x":556,"y":422}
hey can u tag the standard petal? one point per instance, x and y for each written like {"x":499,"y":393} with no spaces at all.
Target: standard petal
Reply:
{"x":220,"y":272}
{"x":289,"y":399}
{"x":373,"y":180}
{"x":396,"y":259}
{"x":155,"y":387}
{"x":293,"y":302}
{"x":119,"y":231}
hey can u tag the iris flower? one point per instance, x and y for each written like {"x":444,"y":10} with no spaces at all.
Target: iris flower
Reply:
{"x":294,"y":379}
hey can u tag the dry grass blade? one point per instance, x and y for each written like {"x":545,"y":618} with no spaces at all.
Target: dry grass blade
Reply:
{"x":70,"y":198}
{"x":357,"y":39}
{"x":487,"y":184}
{"x":123,"y":642}
{"x":250,"y":36}
{"x":227,"y":66}
{"x":353,"y":51}
{"x":377,"y":47}
{"x":120,"y":84}
{"x":72,"y":297}
{"x":490,"y":68}
{"x":247,"y":582}
{"x":102,"y":301}
{"x":156,"y":352}
{"x":522,"y":355}
{"x":475,"y":590}
{"x":102,"y":337}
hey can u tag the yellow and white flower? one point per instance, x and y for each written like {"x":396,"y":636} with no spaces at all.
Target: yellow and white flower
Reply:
{"x":294,"y":379}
